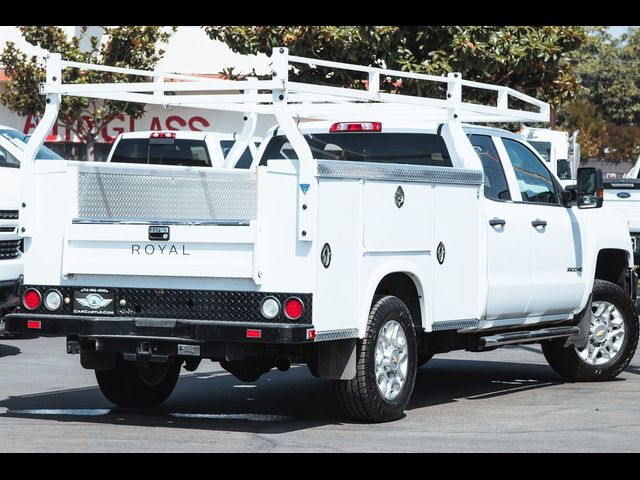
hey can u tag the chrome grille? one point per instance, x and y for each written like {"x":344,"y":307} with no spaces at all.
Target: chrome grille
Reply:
{"x":8,"y":214}
{"x":10,"y":249}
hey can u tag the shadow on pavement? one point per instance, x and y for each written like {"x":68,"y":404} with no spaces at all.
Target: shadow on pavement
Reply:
{"x":278,"y":402}
{"x":8,"y":350}
{"x":447,"y":380}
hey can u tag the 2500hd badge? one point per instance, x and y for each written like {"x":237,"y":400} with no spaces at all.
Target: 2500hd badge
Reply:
{"x":151,"y":249}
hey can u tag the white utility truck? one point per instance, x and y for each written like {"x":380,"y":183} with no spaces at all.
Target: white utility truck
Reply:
{"x":12,"y":145}
{"x":622,"y":196}
{"x":193,"y":149}
{"x":634,"y":173}
{"x":361,"y":244}
{"x":559,"y":149}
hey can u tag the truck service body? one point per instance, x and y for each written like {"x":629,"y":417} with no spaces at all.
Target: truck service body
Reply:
{"x":360,"y":244}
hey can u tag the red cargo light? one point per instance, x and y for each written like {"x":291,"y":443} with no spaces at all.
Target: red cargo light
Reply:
{"x":356,"y":127}
{"x":162,"y":135}
{"x":31,"y":299}
{"x":311,"y":334}
{"x":293,"y":308}
{"x":254,"y":333}
{"x":34,"y":324}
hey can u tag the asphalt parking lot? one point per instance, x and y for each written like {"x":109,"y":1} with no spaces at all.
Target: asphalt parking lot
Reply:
{"x":506,"y":400}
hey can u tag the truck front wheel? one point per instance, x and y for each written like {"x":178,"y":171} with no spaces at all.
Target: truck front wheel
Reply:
{"x":613,"y":338}
{"x":385,"y":365}
{"x":131,"y":384}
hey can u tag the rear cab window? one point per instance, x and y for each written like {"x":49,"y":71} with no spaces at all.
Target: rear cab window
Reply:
{"x":162,"y":151}
{"x":245,"y":160}
{"x":380,"y":147}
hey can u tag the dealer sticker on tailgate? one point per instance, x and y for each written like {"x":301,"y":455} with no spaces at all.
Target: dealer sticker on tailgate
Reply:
{"x":94,"y":301}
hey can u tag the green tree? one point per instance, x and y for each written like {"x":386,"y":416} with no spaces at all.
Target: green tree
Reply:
{"x":581,"y":114}
{"x":530,"y":59}
{"x":609,"y":70}
{"x":124,"y":46}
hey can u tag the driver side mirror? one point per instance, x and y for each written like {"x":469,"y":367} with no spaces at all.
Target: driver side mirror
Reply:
{"x":590,"y":188}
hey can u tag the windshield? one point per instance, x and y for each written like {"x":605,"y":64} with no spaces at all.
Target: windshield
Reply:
{"x":543,"y":148}
{"x":20,"y":140}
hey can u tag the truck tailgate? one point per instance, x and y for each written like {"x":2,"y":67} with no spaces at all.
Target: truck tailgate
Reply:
{"x":624,"y":196}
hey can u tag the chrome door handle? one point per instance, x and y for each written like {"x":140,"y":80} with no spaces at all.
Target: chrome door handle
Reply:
{"x":497,"y":222}
{"x":539,"y":223}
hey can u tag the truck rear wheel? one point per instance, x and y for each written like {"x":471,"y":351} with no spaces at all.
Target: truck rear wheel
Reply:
{"x":385,"y":368}
{"x":131,"y":384}
{"x":613,"y":338}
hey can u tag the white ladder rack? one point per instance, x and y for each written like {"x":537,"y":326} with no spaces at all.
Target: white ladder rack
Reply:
{"x":286,"y":100}
{"x":305,"y":100}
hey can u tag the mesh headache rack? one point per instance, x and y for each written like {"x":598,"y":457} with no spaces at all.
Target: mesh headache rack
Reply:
{"x":287,"y":101}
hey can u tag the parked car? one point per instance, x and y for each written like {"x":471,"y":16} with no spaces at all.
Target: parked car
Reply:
{"x":12,"y":144}
{"x":194,"y":149}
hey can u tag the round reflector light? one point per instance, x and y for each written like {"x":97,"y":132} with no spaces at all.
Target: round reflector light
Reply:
{"x":270,"y":308}
{"x":293,"y":308}
{"x":31,"y":299}
{"x":53,"y":300}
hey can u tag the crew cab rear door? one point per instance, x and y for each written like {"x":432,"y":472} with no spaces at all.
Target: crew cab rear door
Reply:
{"x":550,"y":233}
{"x":508,"y":259}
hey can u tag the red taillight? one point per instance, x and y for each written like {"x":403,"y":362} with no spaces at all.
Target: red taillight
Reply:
{"x":31,"y":299}
{"x":356,"y":127}
{"x":254,"y":333}
{"x":34,"y":324}
{"x":293,"y":308}
{"x":162,"y":135}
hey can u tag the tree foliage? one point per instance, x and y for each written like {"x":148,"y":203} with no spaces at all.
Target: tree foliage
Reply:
{"x":607,"y":108}
{"x":530,"y":59}
{"x":609,"y":70}
{"x":123,"y":46}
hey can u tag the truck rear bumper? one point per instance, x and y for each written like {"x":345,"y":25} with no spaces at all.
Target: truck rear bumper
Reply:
{"x":172,"y":330}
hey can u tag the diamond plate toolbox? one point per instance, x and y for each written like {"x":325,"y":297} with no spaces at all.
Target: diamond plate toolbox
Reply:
{"x":165,"y":196}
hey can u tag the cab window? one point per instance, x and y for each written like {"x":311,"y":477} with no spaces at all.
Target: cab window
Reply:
{"x":534,"y":180}
{"x":495,"y":182}
{"x":403,"y":148}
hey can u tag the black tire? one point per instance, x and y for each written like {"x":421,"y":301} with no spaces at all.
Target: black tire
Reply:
{"x":423,"y":359}
{"x":568,"y":363}
{"x":359,"y":398}
{"x":129,"y":384}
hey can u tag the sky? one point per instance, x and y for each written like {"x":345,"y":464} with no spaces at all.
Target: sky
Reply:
{"x":617,"y":31}
{"x":191,"y":51}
